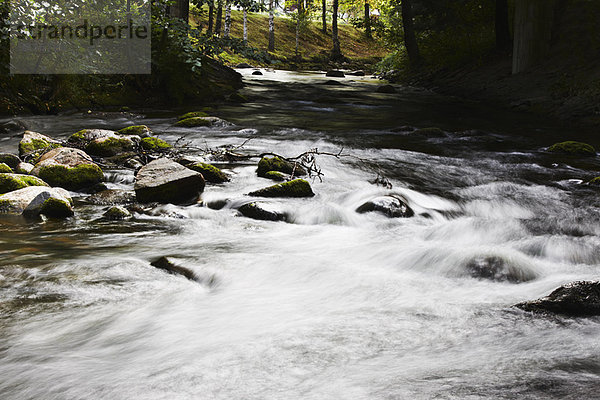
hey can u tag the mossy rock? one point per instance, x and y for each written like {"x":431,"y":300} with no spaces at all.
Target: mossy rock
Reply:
{"x":56,"y":208}
{"x":34,"y":143}
{"x":117,"y":213}
{"x":275,"y":176}
{"x":197,"y":122}
{"x":295,"y":188}
{"x":71,"y":178}
{"x":595,"y":181}
{"x":573,"y":148}
{"x":210,"y":173}
{"x":109,"y":146}
{"x":267,"y":164}
{"x":255,"y":211}
{"x":193,"y":114}
{"x":5,"y":169}
{"x":137,"y":130}
{"x":154,"y":144}
{"x":24,"y":168}
{"x":12,"y":182}
{"x":10,"y":159}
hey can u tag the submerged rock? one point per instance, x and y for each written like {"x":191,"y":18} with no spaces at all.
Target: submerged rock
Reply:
{"x":573,"y":148}
{"x":68,"y":168}
{"x":577,"y":299}
{"x":387,"y":89}
{"x":192,"y":114}
{"x":331,"y":82}
{"x":199,"y":122}
{"x":166,"y":265}
{"x":136,"y":130}
{"x":5,"y":169}
{"x":210,"y":173}
{"x":497,"y":269}
{"x":255,"y":211}
{"x":112,"y":197}
{"x":357,"y":73}
{"x":10,"y":159}
{"x":391,"y":206}
{"x":35,"y":143}
{"x":117,"y":213}
{"x":267,"y":164}
{"x":36,"y":200}
{"x":275,"y":176}
{"x":335,"y":74}
{"x":257,"y":73}
{"x":11,"y":182}
{"x":165,"y":181}
{"x":595,"y":181}
{"x":295,"y":188}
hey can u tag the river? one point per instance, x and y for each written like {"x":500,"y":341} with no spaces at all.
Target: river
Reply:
{"x":334,"y":304}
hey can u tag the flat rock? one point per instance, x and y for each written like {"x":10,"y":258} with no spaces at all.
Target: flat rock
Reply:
{"x":576,"y":299}
{"x":165,"y":181}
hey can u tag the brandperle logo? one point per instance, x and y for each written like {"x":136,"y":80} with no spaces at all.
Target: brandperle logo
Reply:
{"x":80,"y":37}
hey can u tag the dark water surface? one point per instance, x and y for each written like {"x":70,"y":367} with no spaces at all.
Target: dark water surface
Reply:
{"x":334,"y":304}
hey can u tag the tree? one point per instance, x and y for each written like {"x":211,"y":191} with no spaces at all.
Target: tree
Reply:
{"x":501,"y":25}
{"x":367,"y":18}
{"x":324,"y":16}
{"x":271,"y":26}
{"x":211,"y":12}
{"x":533,"y":31}
{"x":336,"y":53}
{"x":227,"y":28}
{"x":180,"y":9}
{"x":219,"y":17}
{"x":410,"y":38}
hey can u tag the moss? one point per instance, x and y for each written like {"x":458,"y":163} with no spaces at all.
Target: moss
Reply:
{"x":5,"y":169}
{"x":78,"y":137}
{"x":295,"y":188}
{"x":154,"y":144}
{"x":194,"y":122}
{"x":81,"y":176}
{"x":34,"y":145}
{"x":109,"y":147}
{"x":12,"y":182}
{"x":210,"y":172}
{"x":56,"y":208}
{"x":574,"y":148}
{"x":595,"y":181}
{"x":275,"y":176}
{"x":278,"y":164}
{"x":193,"y":114}
{"x":139,"y":130}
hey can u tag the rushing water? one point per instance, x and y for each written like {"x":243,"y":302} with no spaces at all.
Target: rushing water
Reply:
{"x":335,"y":304}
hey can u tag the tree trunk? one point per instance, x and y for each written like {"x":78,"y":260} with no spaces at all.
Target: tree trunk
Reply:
{"x":227,"y":29}
{"x":271,"y":27}
{"x":211,"y":12}
{"x":410,"y":38}
{"x":367,"y":19}
{"x":501,"y":26}
{"x":324,"y":16}
{"x":533,"y":32}
{"x":219,"y":17}
{"x":299,"y":15}
{"x":336,"y":53}
{"x":180,"y":9}
{"x":245,"y":26}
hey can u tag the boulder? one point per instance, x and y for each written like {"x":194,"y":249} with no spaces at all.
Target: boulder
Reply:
{"x":154,"y":144}
{"x":34,"y":143}
{"x":573,"y":148}
{"x":335,"y":74}
{"x":36,"y":200}
{"x":199,"y":121}
{"x":295,"y":188}
{"x":255,"y":211}
{"x":387,"y":89}
{"x":112,"y":197}
{"x":577,"y":299}
{"x":10,"y":159}
{"x":165,"y":181}
{"x":497,"y":269}
{"x":103,"y":143}
{"x":5,"y":169}
{"x":275,"y":176}
{"x":275,"y":163}
{"x":166,"y":265}
{"x":210,"y":173}
{"x":192,"y":114}
{"x":391,"y":206}
{"x":68,"y":168}
{"x":135,"y":130}
{"x":357,"y":73}
{"x":85,"y":136}
{"x":12,"y":182}
{"x":117,"y":213}
{"x":257,"y":73}
{"x":24,"y":168}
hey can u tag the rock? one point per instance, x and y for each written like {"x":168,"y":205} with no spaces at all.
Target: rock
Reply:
{"x":11,"y":182}
{"x":331,"y":82}
{"x":275,"y":176}
{"x":165,"y":181}
{"x":154,"y":144}
{"x":10,"y":159}
{"x":335,"y":74}
{"x":166,"y":265}
{"x":357,"y":73}
{"x":5,"y":169}
{"x":295,"y":188}
{"x":68,"y":168}
{"x":136,"y":130}
{"x":193,"y":114}
{"x":391,"y":206}
{"x":577,"y":299}
{"x":595,"y":181}
{"x":35,"y":200}
{"x":257,"y":73}
{"x":243,"y":65}
{"x":12,"y":126}
{"x":210,"y":173}
{"x":254,"y":211}
{"x":112,"y":197}
{"x":573,"y":148}
{"x":429,"y":132}
{"x":497,"y":269}
{"x":36,"y":143}
{"x":111,"y":146}
{"x":387,"y":89}
{"x":117,"y":213}
{"x":24,"y":168}
{"x":85,"y":136}
{"x":217,"y":204}
{"x":199,"y":121}
{"x":275,"y":163}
